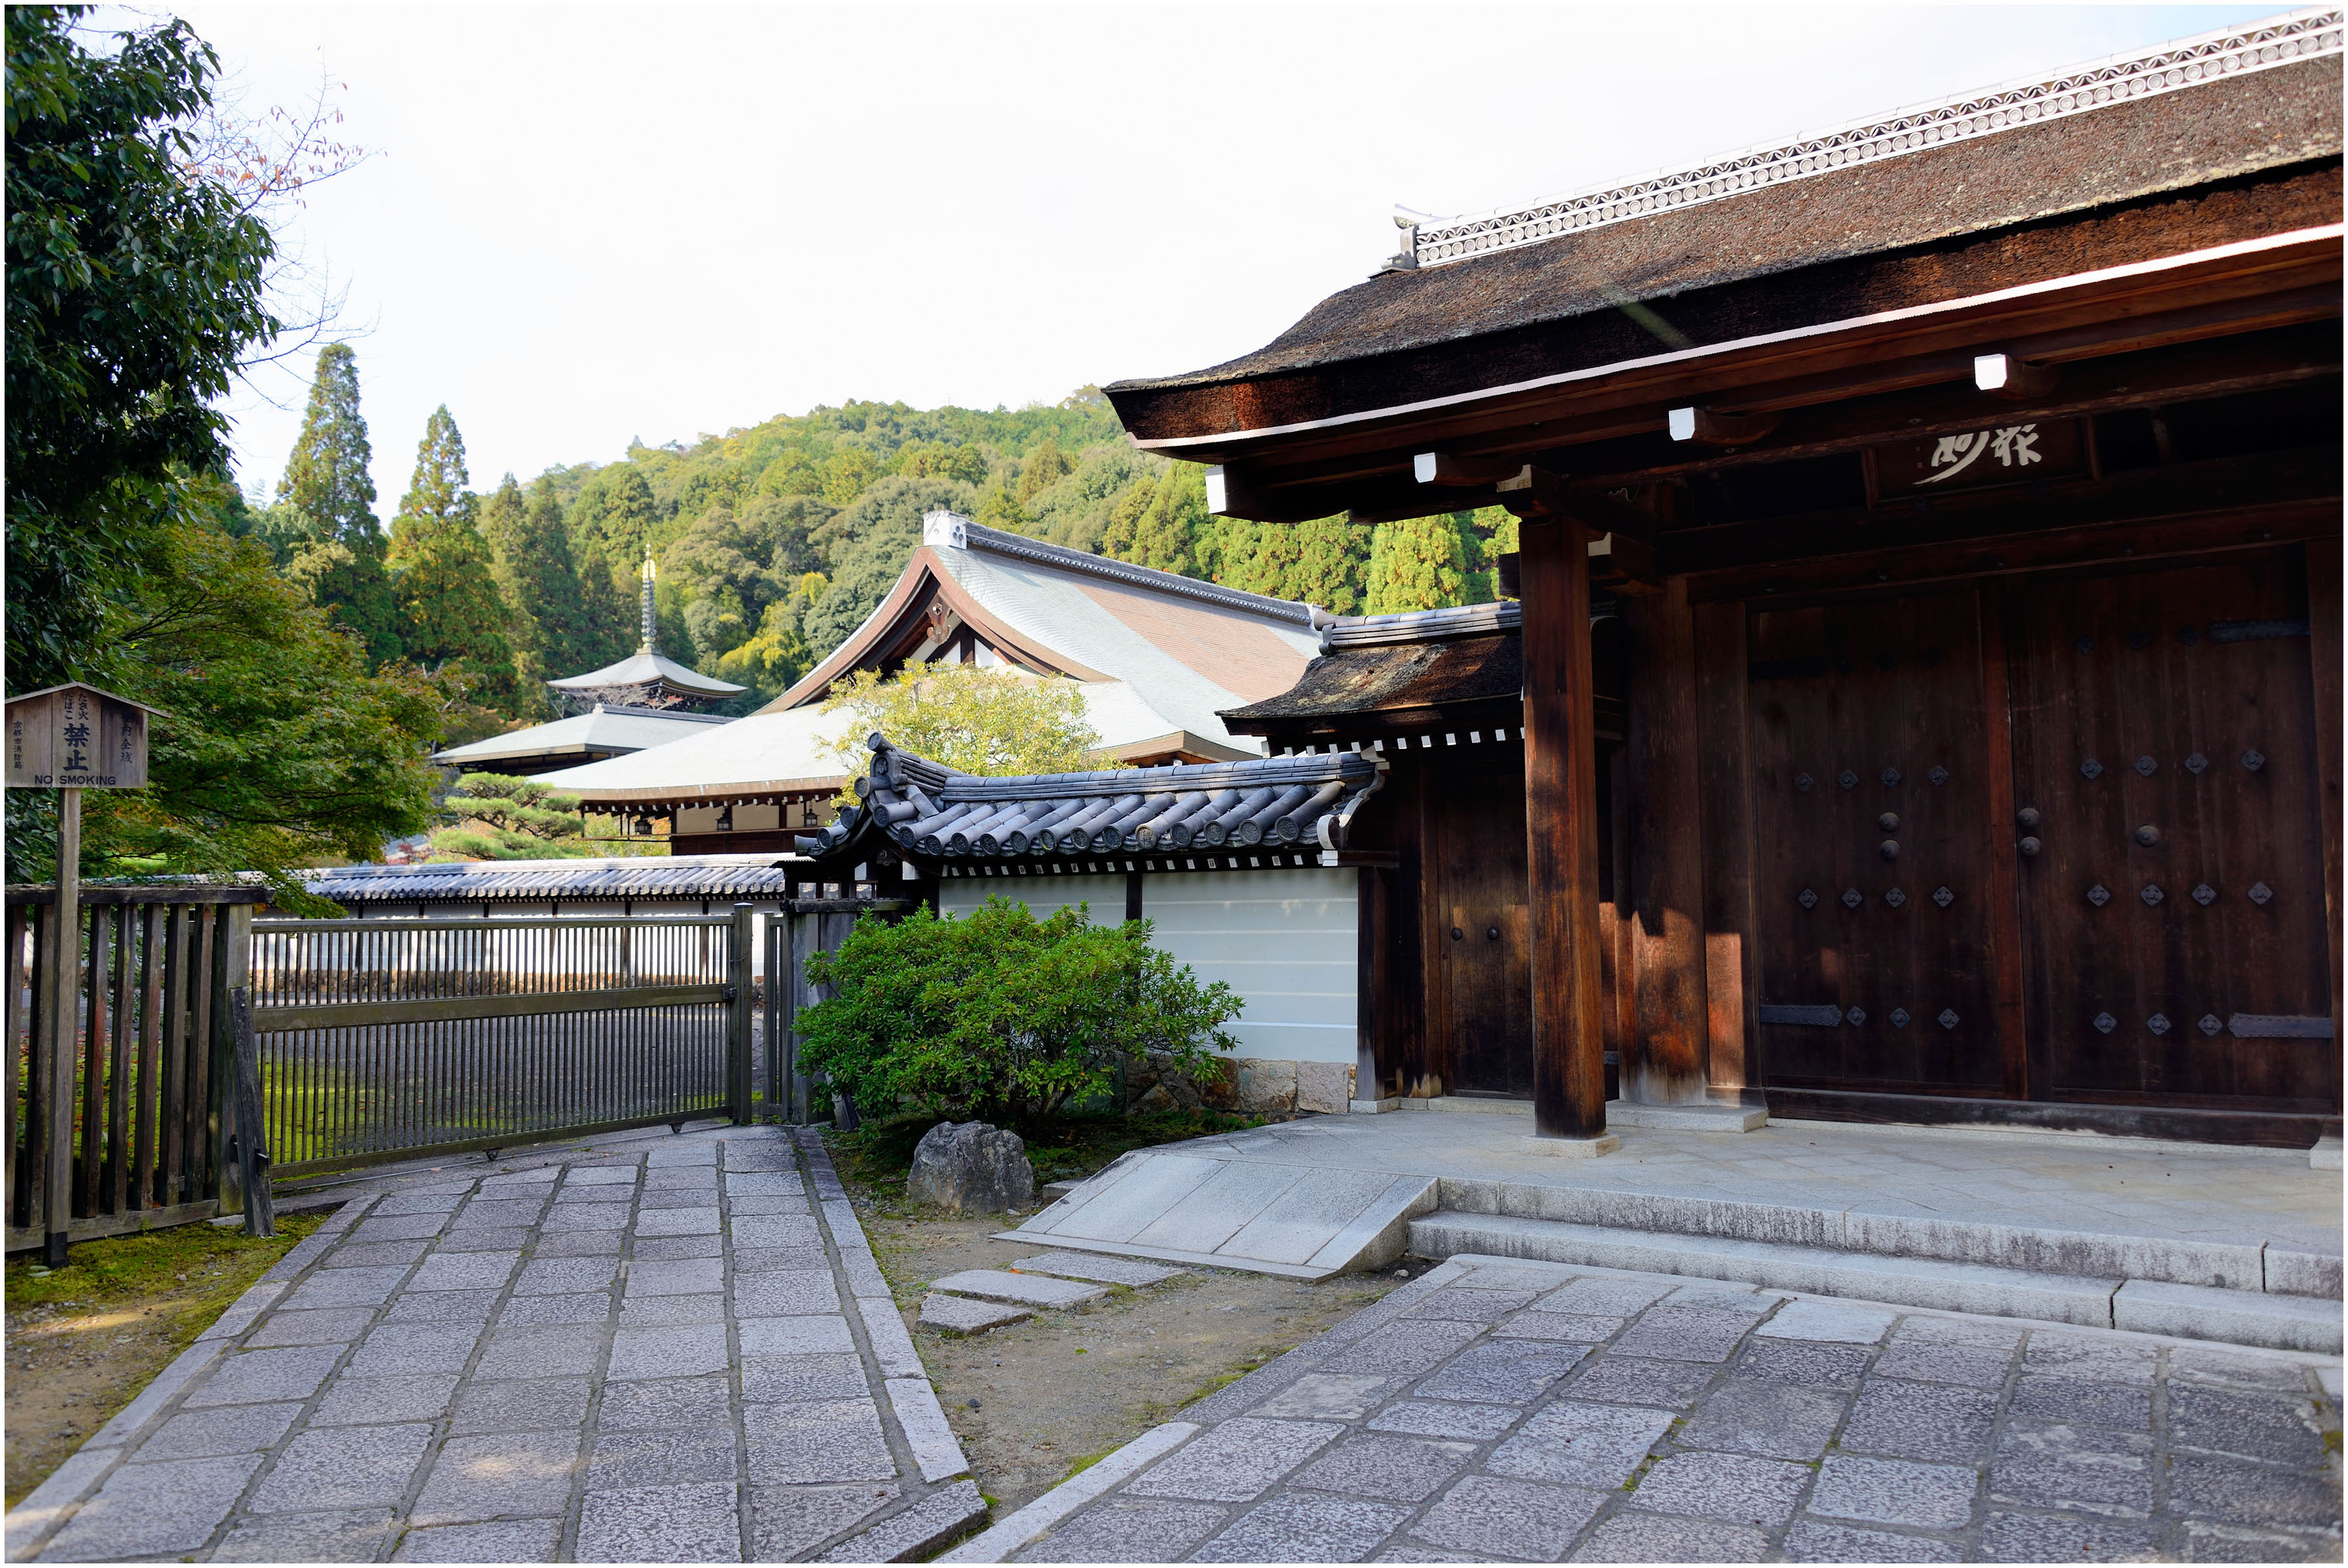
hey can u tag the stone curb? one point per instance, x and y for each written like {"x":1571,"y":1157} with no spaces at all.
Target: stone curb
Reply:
{"x":49,"y":1505}
{"x":995,"y":1544}
{"x":929,"y":1523}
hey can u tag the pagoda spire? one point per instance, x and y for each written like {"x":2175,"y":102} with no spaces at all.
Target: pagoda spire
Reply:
{"x":650,"y":574}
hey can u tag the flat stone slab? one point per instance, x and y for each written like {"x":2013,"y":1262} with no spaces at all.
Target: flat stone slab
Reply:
{"x":1204,"y":1202}
{"x":965,"y":1314}
{"x":1705,"y":1424}
{"x":1028,"y":1290}
{"x":1107,"y":1270}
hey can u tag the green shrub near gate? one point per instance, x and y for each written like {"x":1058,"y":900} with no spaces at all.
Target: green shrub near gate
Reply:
{"x":1000,"y":1015}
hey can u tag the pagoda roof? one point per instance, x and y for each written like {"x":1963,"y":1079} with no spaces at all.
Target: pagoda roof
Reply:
{"x":646,"y":668}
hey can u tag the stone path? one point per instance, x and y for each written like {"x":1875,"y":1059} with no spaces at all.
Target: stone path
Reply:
{"x":664,"y":1348}
{"x":1497,"y":1409}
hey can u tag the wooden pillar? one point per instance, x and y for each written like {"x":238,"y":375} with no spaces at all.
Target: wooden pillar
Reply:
{"x":2324,"y":564}
{"x":1561,"y":832}
{"x":64,"y":1020}
{"x":1725,"y":782}
{"x":1665,"y":1060}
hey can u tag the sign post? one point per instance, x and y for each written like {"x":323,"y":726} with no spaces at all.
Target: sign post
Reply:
{"x":69,"y":738}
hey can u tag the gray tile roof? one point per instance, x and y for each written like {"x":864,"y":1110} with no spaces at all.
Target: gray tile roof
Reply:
{"x":1306,"y":801}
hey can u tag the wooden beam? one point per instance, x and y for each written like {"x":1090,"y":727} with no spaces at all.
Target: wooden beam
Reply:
{"x":2013,"y":378}
{"x":1902,"y":401}
{"x":2154,"y":512}
{"x":1561,"y":826}
{"x":1665,"y":1062}
{"x":1712,"y":427}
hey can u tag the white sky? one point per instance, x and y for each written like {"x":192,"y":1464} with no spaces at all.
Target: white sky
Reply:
{"x":586,"y":224}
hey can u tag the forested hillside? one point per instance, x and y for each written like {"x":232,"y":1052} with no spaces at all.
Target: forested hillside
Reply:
{"x":776,"y":541}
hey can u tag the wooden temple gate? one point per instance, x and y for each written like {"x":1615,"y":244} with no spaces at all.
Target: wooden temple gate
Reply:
{"x":1972,"y":501}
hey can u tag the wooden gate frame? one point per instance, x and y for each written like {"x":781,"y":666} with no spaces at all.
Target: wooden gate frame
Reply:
{"x":736,"y":996}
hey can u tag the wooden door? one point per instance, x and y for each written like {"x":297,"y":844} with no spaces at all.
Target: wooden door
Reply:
{"x":1877,"y":771}
{"x":1479,"y":921}
{"x":2173,"y":916}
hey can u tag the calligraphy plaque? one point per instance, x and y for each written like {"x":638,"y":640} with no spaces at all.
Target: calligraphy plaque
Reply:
{"x":77,"y":737}
{"x":2008,"y":454}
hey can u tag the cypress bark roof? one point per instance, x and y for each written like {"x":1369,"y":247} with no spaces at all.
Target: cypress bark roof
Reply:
{"x":2232,"y":107}
{"x":930,"y":813}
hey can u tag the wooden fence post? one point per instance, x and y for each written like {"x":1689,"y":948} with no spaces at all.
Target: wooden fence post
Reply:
{"x":231,"y":972}
{"x":251,"y":1150}
{"x":738,"y":963}
{"x":62,"y":1046}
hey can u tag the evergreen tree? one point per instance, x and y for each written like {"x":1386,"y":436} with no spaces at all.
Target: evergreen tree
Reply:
{"x":600,"y":626}
{"x":444,"y":577}
{"x":436,"y":493}
{"x":1424,"y":564}
{"x":340,"y":553}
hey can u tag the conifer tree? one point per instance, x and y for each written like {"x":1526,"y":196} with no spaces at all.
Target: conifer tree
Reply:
{"x":444,"y":577}
{"x":1424,"y":564}
{"x":599,"y":627}
{"x":326,"y":484}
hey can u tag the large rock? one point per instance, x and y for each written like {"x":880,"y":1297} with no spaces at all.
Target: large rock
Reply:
{"x":971,"y":1168}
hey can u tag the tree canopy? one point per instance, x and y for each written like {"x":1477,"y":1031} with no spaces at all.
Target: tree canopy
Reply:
{"x":138,"y":277}
{"x":133,"y":290}
{"x":991,"y":722}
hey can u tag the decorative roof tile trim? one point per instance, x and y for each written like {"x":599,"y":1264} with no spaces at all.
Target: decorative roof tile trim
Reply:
{"x":952,"y":530}
{"x":933,"y":814}
{"x":1422,"y":626}
{"x":475,"y":883}
{"x":2302,"y":35}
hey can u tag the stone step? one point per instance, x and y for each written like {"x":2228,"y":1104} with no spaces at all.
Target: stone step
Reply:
{"x":2252,"y":1317}
{"x":1834,"y":1227}
{"x":1104,"y":1270}
{"x":1305,"y":1221}
{"x":1027,"y":1290}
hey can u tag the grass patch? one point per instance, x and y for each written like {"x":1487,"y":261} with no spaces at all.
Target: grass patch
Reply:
{"x":1060,"y":1148}
{"x":191,"y":1263}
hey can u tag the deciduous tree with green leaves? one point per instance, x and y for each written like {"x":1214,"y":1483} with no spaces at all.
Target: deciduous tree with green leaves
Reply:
{"x":995,"y":723}
{"x":133,"y":290}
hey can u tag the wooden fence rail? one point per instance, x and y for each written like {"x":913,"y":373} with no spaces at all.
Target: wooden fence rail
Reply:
{"x":120,"y":1121}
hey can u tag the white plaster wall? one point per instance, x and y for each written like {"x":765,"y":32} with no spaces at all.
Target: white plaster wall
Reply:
{"x":1284,"y":940}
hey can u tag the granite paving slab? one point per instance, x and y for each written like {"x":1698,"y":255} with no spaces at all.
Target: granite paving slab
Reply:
{"x":1702,"y":1423}
{"x":449,"y":1370}
{"x":1027,"y":1290}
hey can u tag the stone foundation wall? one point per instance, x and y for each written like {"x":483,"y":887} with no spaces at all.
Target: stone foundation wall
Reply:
{"x":1249,"y":1086}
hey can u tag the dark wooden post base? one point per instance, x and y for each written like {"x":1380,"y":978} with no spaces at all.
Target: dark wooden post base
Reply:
{"x":1561,"y":828}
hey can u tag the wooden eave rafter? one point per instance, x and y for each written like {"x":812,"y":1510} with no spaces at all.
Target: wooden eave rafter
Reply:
{"x":894,"y":628}
{"x":1362,"y":461}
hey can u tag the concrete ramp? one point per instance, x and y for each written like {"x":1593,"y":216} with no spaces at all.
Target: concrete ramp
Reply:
{"x":1302,"y":1221}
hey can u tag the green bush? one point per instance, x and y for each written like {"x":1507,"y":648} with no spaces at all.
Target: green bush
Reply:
{"x":1002,"y":1016}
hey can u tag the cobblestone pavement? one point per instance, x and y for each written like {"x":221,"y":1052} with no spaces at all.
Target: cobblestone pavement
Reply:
{"x":659,"y":1348}
{"x":1500,"y":1409}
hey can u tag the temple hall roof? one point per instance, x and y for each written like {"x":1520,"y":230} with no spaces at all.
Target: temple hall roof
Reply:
{"x":620,"y":877}
{"x":647,"y":668}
